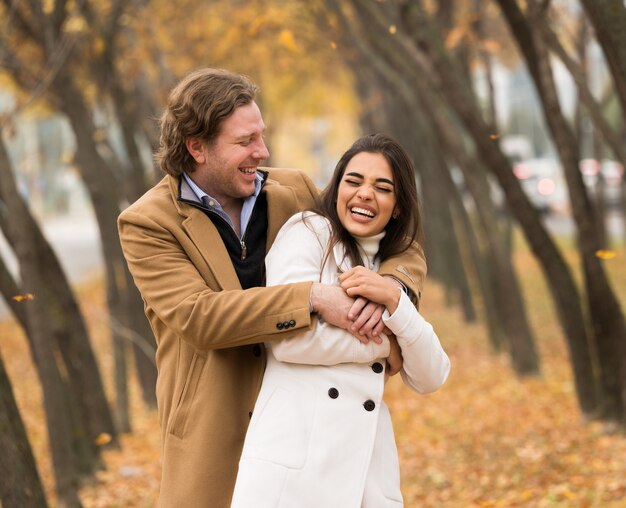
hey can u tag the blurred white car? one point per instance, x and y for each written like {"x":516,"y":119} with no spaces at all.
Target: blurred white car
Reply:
{"x":542,"y":180}
{"x":607,"y":172}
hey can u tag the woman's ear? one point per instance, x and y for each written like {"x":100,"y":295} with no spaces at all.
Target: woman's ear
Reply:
{"x":196,"y":149}
{"x":396,"y":213}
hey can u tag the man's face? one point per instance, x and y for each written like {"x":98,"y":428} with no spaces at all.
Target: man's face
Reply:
{"x":226,"y":169}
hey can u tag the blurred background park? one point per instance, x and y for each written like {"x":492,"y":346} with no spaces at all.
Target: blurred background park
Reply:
{"x":514,"y":114}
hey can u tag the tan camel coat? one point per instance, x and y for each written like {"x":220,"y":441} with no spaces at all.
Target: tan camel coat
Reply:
{"x":208,"y":330}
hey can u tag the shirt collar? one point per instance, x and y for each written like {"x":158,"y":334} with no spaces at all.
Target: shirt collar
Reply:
{"x":205,"y":198}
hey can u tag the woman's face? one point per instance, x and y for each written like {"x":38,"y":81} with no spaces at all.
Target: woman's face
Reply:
{"x":366,"y":196}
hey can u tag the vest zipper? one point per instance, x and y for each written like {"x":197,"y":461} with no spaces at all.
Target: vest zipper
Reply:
{"x":244,"y":248}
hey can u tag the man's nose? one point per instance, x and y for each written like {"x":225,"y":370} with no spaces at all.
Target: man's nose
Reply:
{"x":261,"y":152}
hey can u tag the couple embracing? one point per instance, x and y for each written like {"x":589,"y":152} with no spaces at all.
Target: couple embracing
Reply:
{"x":279,"y":312}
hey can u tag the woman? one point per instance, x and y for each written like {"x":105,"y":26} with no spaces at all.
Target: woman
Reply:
{"x":320,"y":434}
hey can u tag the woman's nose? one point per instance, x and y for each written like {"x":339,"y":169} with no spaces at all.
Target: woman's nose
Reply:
{"x":364,"y":193}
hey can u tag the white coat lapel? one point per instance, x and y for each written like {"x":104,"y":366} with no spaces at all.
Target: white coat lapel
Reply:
{"x":341,"y":260}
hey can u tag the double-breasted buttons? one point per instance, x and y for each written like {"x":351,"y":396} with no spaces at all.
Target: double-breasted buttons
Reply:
{"x":283,"y":325}
{"x":369,"y":405}
{"x":256,"y":350}
{"x":333,"y":393}
{"x":377,"y":367}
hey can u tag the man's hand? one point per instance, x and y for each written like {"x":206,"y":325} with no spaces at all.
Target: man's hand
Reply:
{"x":395,"y":360}
{"x":338,"y":309}
{"x":366,"y":317}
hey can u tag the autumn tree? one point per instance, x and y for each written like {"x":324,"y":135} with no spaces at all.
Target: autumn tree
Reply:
{"x":68,"y":452}
{"x":417,"y":51}
{"x":607,"y":318}
{"x":46,"y":51}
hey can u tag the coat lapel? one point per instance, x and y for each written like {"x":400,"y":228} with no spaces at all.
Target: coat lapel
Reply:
{"x":281,"y":204}
{"x":205,"y":236}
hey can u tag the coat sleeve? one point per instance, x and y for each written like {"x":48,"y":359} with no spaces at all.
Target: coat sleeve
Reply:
{"x":425,"y":364}
{"x":298,"y":255}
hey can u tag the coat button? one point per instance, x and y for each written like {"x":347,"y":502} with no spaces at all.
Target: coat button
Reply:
{"x":280,"y":326}
{"x":377,"y":367}
{"x":256,"y":350}
{"x":249,"y":414}
{"x":292,"y":323}
{"x":333,"y":393}
{"x":369,"y":405}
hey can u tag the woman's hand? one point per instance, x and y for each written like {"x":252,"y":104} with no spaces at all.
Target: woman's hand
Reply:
{"x":359,"y":281}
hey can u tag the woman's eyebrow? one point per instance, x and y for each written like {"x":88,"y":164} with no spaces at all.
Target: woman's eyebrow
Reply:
{"x":354,"y":174}
{"x":385,"y":180}
{"x":357,"y":175}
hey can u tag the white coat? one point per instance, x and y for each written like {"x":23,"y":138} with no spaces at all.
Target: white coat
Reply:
{"x":321,"y":435}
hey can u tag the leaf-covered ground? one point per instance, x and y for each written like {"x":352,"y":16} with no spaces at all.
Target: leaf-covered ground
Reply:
{"x":486,"y":439}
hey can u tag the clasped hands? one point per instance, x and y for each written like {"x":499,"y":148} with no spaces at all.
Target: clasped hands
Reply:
{"x":357,"y":305}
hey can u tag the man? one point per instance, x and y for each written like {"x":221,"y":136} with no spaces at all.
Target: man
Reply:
{"x":195,"y":244}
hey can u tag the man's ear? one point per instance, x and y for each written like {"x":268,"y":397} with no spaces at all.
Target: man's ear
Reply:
{"x":196,"y":149}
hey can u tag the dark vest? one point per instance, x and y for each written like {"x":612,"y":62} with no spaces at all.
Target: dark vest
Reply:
{"x":247,"y":255}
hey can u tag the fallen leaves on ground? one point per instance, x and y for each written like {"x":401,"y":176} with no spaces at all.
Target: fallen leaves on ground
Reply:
{"x":485,"y":439}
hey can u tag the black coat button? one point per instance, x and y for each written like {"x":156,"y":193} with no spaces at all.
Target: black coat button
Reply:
{"x":333,"y":393}
{"x":369,"y":405}
{"x":256,"y":350}
{"x":377,"y":367}
{"x":249,"y":414}
{"x":280,"y":326}
{"x":292,"y":323}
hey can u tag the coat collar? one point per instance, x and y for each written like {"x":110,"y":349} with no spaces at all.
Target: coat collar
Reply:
{"x":203,"y":233}
{"x":281,"y":204}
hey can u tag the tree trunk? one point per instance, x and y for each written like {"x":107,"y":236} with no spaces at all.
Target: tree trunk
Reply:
{"x":59,"y":419}
{"x":67,"y":325}
{"x":105,"y":198}
{"x":9,"y":288}
{"x":20,"y":486}
{"x":606,"y":316}
{"x":440,"y":176}
{"x":608,"y":18}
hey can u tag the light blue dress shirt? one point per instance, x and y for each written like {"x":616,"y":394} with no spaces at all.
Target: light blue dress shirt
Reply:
{"x":214,"y":205}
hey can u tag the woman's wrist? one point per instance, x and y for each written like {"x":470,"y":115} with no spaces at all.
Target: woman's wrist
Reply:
{"x":393,"y":299}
